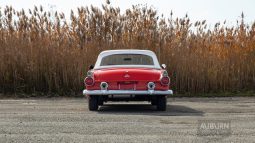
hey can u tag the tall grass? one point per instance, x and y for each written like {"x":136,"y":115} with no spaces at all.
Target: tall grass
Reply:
{"x":40,"y":52}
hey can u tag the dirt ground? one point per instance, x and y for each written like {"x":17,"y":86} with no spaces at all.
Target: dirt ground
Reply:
{"x":69,"y":120}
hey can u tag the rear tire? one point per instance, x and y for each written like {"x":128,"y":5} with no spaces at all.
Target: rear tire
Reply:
{"x":93,"y":103}
{"x":161,"y":103}
{"x":153,"y":102}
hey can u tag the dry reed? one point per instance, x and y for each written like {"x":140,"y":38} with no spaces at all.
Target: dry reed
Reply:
{"x":41,"y":52}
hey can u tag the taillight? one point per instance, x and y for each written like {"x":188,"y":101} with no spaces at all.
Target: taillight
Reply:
{"x":165,"y":80}
{"x":89,"y":81}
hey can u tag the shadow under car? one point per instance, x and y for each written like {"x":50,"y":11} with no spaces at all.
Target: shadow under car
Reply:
{"x":148,"y":109}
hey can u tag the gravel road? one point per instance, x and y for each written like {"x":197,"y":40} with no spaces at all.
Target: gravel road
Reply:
{"x":68,"y":120}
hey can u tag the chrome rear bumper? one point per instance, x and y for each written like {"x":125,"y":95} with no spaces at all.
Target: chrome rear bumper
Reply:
{"x":127,"y":92}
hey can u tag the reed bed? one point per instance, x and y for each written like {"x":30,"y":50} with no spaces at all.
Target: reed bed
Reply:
{"x":41,"y":52}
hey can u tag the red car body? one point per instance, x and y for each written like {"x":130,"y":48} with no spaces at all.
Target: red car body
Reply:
{"x":127,"y":75}
{"x":128,"y":79}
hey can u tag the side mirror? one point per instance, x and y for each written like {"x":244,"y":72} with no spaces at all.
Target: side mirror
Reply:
{"x":163,"y":66}
{"x":91,"y":67}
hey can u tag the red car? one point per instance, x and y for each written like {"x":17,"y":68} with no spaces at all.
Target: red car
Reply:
{"x":127,"y":75}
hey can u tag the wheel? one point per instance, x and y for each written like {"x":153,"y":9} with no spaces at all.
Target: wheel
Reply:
{"x":154,"y":102}
{"x":161,"y":103}
{"x":93,"y":103}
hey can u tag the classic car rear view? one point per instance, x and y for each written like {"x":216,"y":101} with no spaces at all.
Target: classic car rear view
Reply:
{"x":127,"y":75}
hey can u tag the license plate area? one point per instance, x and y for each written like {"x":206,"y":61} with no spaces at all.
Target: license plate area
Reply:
{"x":127,"y":85}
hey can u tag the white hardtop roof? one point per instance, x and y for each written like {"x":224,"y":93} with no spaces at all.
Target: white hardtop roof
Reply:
{"x":127,"y":51}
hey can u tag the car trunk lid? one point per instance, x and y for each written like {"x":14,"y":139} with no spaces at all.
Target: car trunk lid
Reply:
{"x":126,"y":75}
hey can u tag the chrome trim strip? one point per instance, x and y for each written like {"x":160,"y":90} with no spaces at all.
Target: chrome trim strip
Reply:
{"x":126,"y":92}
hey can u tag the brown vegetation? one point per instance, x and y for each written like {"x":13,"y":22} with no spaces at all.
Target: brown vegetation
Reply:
{"x":41,"y":52}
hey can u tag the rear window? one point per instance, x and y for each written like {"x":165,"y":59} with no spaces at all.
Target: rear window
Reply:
{"x":127,"y":59}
